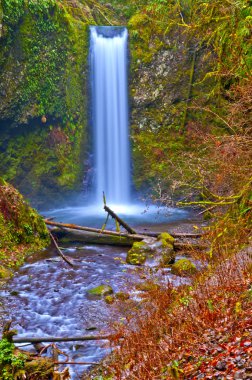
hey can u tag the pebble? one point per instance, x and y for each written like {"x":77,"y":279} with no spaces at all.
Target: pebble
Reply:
{"x":247,"y":343}
{"x":221,"y":366}
{"x":238,"y":375}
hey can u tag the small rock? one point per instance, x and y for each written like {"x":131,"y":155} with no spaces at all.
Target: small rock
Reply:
{"x":238,"y":375}
{"x":91,"y":328}
{"x":147,"y":286}
{"x":109,"y":299}
{"x":247,"y":343}
{"x":122,"y":296}
{"x":102,"y":290}
{"x":221,"y":366}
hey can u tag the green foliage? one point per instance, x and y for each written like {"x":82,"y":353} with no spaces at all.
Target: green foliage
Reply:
{"x":22,"y":230}
{"x":13,"y":10}
{"x":11,"y":364}
{"x":41,"y":6}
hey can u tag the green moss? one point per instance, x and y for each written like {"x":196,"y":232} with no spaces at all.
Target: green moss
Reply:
{"x":22,"y":230}
{"x":183,"y":267}
{"x":137,"y":254}
{"x":43,"y":93}
{"x":166,"y":238}
{"x":109,"y":300}
{"x":5,"y":273}
{"x":101,"y":291}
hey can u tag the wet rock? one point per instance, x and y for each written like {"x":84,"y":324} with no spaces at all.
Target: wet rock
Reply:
{"x":239,"y":375}
{"x":167,"y":248}
{"x":109,"y":299}
{"x":166,"y":238}
{"x":183,"y":267}
{"x":101,"y":291}
{"x":122,"y":296}
{"x":91,"y":328}
{"x":221,"y":366}
{"x":147,"y":286}
{"x":137,"y":255}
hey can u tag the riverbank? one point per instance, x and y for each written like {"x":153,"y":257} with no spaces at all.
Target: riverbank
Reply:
{"x":200,"y":330}
{"x":22,"y":230}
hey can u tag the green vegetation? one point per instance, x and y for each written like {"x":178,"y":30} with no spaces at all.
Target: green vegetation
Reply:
{"x":43,"y":86}
{"x":22,"y":230}
{"x":101,"y":290}
{"x":190,"y":85}
{"x":137,"y":254}
{"x":11,"y":364}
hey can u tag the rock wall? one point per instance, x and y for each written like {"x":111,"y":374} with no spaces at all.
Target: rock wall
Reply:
{"x":167,"y":66}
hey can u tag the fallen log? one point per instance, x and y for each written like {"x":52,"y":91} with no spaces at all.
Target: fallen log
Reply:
{"x":88,"y":229}
{"x":51,"y":339}
{"x":68,"y":236}
{"x":119,"y":220}
{"x":137,"y":236}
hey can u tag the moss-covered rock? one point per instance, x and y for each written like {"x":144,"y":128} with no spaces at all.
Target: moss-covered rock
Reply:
{"x":109,"y":300}
{"x":101,"y":291}
{"x":166,"y":238}
{"x":147,"y":286}
{"x":5,"y":273}
{"x":137,"y":255}
{"x":122,"y":296}
{"x":183,"y":267}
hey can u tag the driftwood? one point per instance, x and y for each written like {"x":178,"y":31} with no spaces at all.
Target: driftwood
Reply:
{"x":137,"y":236}
{"x":73,"y":236}
{"x":51,"y":339}
{"x":89,"y":229}
{"x":119,"y":220}
{"x":59,"y":250}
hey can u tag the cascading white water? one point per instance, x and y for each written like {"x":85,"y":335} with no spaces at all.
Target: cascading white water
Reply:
{"x":109,"y":85}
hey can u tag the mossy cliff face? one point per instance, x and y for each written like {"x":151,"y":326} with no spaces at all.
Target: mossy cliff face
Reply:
{"x":166,"y":63}
{"x":22,"y":230}
{"x":43,"y":92}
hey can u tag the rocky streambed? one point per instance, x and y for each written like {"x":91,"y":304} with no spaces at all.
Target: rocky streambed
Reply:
{"x":48,"y":298}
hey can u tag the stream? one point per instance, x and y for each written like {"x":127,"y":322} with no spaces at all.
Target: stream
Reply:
{"x":48,"y":298}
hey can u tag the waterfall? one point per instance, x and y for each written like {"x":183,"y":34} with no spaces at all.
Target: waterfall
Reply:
{"x":109,"y":85}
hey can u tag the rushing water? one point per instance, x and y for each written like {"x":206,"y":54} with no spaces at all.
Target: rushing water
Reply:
{"x":48,"y":298}
{"x":108,"y":55}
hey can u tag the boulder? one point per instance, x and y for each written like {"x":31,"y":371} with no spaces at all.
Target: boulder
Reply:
{"x":166,"y":247}
{"x":137,"y":255}
{"x":183,"y":267}
{"x":166,"y":238}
